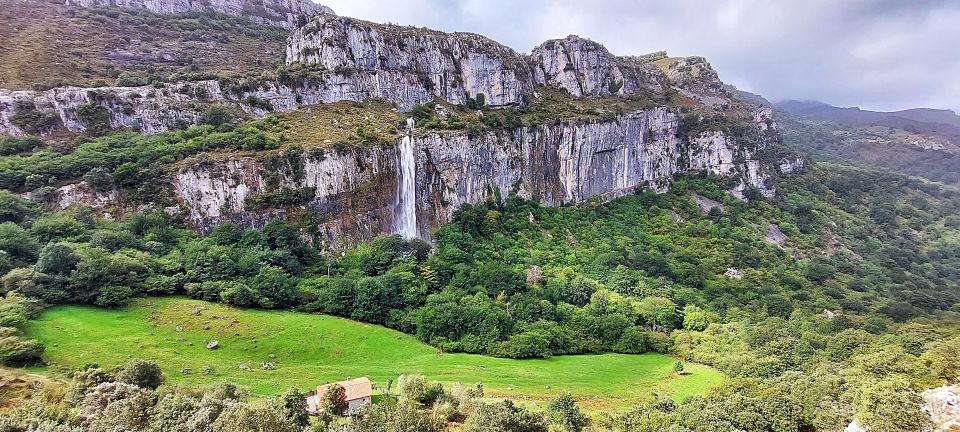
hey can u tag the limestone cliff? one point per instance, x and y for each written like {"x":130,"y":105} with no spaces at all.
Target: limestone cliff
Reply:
{"x":355,"y":192}
{"x":586,"y":68}
{"x":451,"y":66}
{"x":282,"y":13}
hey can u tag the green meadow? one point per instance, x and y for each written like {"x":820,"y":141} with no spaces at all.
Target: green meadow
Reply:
{"x":307,"y":350}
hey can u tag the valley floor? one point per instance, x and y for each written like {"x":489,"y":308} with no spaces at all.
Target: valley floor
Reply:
{"x":307,"y":350}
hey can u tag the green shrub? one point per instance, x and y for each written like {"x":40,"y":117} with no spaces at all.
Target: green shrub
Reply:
{"x":27,"y":117}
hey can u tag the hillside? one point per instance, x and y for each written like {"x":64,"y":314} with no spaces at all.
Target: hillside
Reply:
{"x":575,"y":229}
{"x":917,"y":142}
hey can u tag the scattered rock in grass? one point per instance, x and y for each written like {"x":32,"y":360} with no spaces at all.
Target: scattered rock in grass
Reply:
{"x":206,"y":370}
{"x":189,"y":343}
{"x":213,"y":344}
{"x":181,"y":339}
{"x":186,"y":371}
{"x":272,"y":356}
{"x":267,"y":366}
{"x":244,"y":366}
{"x":179,"y":329}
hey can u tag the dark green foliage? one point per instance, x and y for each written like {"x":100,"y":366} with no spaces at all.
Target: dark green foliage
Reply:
{"x":10,"y":146}
{"x":275,"y":288}
{"x":95,"y":117}
{"x":141,"y":373}
{"x":133,"y":158}
{"x":281,"y":198}
{"x":57,"y":259}
{"x":217,"y":115}
{"x":15,"y":209}
{"x":564,"y":414}
{"x":504,"y":416}
{"x":27,"y":117}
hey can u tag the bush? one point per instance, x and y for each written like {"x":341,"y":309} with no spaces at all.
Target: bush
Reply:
{"x":239,"y":294}
{"x":217,"y":115}
{"x":17,"y":351}
{"x":504,"y":416}
{"x":114,"y":296}
{"x":10,"y":146}
{"x":95,"y":118}
{"x":33,"y":122}
{"x":633,"y":341}
{"x":141,"y":373}
{"x":20,"y":245}
{"x":564,"y":414}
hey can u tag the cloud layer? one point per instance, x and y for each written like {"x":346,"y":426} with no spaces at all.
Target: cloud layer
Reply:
{"x":880,"y":54}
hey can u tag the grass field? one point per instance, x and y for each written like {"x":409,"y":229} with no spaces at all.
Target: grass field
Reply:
{"x":311,"y":349}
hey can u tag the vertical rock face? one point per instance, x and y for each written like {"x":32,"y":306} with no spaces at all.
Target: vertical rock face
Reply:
{"x":566,"y":162}
{"x":586,"y":68}
{"x":281,"y":13}
{"x":451,"y":66}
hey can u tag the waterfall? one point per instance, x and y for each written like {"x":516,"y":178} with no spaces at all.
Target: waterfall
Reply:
{"x":406,"y":209}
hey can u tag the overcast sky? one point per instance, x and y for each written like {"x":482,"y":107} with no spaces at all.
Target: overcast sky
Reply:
{"x":882,"y":55}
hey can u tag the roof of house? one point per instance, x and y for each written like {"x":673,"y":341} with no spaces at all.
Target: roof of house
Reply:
{"x":358,"y":388}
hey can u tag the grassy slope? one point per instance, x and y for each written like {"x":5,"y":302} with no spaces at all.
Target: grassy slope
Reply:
{"x":45,"y":42}
{"x":312,"y":349}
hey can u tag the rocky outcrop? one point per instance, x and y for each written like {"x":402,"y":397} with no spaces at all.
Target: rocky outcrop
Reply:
{"x":586,"y":68}
{"x":282,"y":13}
{"x":355,"y":191}
{"x":152,"y":110}
{"x":695,"y":78}
{"x":451,"y":66}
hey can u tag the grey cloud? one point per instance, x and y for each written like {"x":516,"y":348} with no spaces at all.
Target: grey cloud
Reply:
{"x":882,"y":54}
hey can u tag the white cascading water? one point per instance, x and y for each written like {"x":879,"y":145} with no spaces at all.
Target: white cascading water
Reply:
{"x":406,"y":208}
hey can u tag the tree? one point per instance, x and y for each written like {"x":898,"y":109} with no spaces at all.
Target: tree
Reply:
{"x":19,"y":244}
{"x":633,"y":341}
{"x":890,"y":405}
{"x":695,"y":319}
{"x":239,"y":294}
{"x":141,"y":373}
{"x":16,"y":350}
{"x":13,"y":208}
{"x":57,"y":259}
{"x":678,"y":367}
{"x":334,"y":400}
{"x":564,"y":414}
{"x":294,"y":406}
{"x":112,"y":296}
{"x":504,"y":417}
{"x":658,"y":311}
{"x":385,"y":417}
{"x":256,"y":416}
{"x":274,"y":287}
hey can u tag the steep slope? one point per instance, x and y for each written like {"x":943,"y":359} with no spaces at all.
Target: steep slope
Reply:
{"x":281,"y":13}
{"x":47,"y":45}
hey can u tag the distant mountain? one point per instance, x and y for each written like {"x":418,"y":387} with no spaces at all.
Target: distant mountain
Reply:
{"x":923,"y":121}
{"x":920,"y":142}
